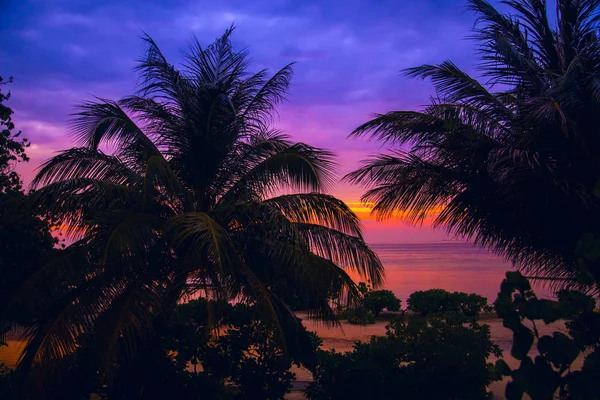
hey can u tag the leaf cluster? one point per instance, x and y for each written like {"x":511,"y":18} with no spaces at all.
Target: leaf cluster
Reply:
{"x":419,"y":358}
{"x":509,"y":157}
{"x":549,"y":373}
{"x":440,"y":301}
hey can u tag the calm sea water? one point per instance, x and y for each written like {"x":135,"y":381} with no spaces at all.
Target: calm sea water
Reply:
{"x":454,"y":266}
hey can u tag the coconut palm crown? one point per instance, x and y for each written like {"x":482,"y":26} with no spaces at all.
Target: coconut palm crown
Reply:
{"x":510,"y":160}
{"x":185,"y":189}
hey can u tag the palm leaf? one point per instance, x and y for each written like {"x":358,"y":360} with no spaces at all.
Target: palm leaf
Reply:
{"x":344,"y":251}
{"x":84,"y":163}
{"x":298,"y":166}
{"x":263,"y":103}
{"x":318,"y":208}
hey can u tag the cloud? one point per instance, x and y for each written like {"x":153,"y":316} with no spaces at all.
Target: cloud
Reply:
{"x":63,"y":19}
{"x":349,"y":54}
{"x":298,"y":54}
{"x":43,"y":132}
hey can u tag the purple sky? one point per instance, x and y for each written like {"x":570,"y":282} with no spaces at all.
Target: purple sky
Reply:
{"x":349,"y":55}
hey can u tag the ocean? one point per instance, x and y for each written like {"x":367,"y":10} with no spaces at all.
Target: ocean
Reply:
{"x":454,"y":266}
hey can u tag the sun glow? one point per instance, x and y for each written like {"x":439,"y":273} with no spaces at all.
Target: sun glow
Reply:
{"x":365,"y":212}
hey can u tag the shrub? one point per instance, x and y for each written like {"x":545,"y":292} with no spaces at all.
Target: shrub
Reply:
{"x":248,"y":353}
{"x":432,"y":301}
{"x":439,"y":301}
{"x":372,"y":303}
{"x":183,"y":359}
{"x":358,"y":316}
{"x":433,"y":358}
{"x":549,"y":374}
{"x":377,"y":300}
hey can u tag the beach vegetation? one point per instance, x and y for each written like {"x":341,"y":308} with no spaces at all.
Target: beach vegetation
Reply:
{"x":440,"y":301}
{"x":546,"y":362}
{"x":377,"y":300}
{"x":405,"y":360}
{"x":359,"y":315}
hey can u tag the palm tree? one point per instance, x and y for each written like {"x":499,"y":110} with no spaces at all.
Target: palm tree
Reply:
{"x":184,"y":189}
{"x":510,"y":161}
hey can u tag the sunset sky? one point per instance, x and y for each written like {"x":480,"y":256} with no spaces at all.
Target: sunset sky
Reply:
{"x":349,"y":55}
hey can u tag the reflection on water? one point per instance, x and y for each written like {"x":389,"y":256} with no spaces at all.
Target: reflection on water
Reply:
{"x":453,"y":266}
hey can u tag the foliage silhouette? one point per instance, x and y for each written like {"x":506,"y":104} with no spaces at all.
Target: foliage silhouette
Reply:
{"x":185,"y":358}
{"x":549,"y":374}
{"x":377,"y":300}
{"x":511,"y":162}
{"x":12,"y":147}
{"x":404,"y":362}
{"x":25,"y":239}
{"x":440,"y":301}
{"x":371,"y":304}
{"x":199,"y":196}
{"x":245,"y":353}
{"x":358,"y":315}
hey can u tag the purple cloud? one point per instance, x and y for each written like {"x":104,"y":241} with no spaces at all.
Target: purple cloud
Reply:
{"x":349,"y":55}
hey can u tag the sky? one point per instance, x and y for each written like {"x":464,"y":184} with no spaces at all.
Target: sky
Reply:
{"x":349,"y":54}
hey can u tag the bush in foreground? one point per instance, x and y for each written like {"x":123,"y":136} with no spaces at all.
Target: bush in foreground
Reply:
{"x":549,"y":374}
{"x":422,"y":358}
{"x":208,"y":350}
{"x":247,"y":353}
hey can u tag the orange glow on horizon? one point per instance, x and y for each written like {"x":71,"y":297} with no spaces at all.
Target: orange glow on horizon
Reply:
{"x":397,"y":229}
{"x":365,"y":212}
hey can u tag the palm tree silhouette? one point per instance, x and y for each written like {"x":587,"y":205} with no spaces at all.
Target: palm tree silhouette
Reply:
{"x":185,"y":189}
{"x":510,"y":161}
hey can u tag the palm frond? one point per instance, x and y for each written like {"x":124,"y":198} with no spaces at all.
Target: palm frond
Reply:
{"x":102,"y":121}
{"x":217,"y":65}
{"x":158,"y":78}
{"x":271,"y":93}
{"x":125,"y":324}
{"x":344,"y":251}
{"x":317,"y":208}
{"x":53,"y":336}
{"x":126,"y":235}
{"x":204,"y":238}
{"x":86,"y":163}
{"x":534,"y":16}
{"x":243,"y":157}
{"x":455,"y":86}
{"x":326,"y":274}
{"x":404,"y":182}
{"x":577,"y":20}
{"x":73,"y":201}
{"x":158,"y":174}
{"x":299,"y":166}
{"x":400,"y":126}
